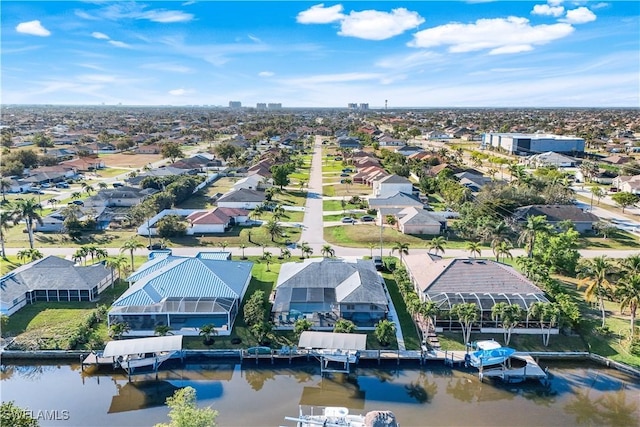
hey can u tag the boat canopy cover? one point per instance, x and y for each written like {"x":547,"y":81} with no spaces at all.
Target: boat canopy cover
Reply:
{"x":494,"y":355}
{"x":487,"y":345}
{"x":143,"y":345}
{"x":330,"y":340}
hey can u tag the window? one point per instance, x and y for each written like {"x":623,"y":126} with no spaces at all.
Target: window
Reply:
{"x":351,"y":307}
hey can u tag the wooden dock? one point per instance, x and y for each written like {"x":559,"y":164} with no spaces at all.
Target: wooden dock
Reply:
{"x":531,"y":370}
{"x":93,"y":359}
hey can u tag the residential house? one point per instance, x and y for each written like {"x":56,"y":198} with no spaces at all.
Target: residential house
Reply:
{"x":408,"y":150}
{"x":54,"y":222}
{"x":555,"y":214}
{"x":254,"y":181}
{"x":52,"y":279}
{"x":158,"y":172}
{"x":627,"y":183}
{"x":483,"y":282}
{"x":323,"y":290}
{"x":217,"y":220}
{"x":390,"y":185}
{"x":415,"y":220}
{"x":389,"y":141}
{"x":149,"y":149}
{"x":120,"y":197}
{"x":349,"y":142}
{"x":473,"y":181}
{"x":243,"y":198}
{"x":184,"y":293}
{"x":83,"y":164}
{"x":551,"y":158}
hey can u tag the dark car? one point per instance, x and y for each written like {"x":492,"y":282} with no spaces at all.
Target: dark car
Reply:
{"x":156,"y":247}
{"x":77,"y":202}
{"x":344,"y":174}
{"x":377,"y":261}
{"x":367,"y":218}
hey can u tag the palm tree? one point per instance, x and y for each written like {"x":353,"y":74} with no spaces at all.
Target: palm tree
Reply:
{"x":103,"y":185}
{"x":402,"y":248}
{"x":53,"y":202}
{"x":437,"y":244}
{"x":117,"y":330}
{"x":242,"y":248}
{"x":162,"y":330}
{"x":28,"y":210}
{"x":81,"y":254}
{"x":30,"y":254}
{"x":257,"y":212}
{"x":385,"y":331}
{"x":301,"y":246}
{"x":509,"y":315}
{"x":285,"y":253}
{"x":530,"y":230}
{"x":630,"y":264}
{"x":628,"y":293}
{"x":307,"y":250}
{"x":267,"y":257}
{"x":548,"y":313}
{"x":598,"y":193}
{"x":274,"y":229}
{"x":503,"y":249}
{"x":131,"y":245}
{"x":208,"y":332}
{"x":595,"y":273}
{"x":76,"y":195}
{"x":6,"y":218}
{"x":327,"y":251}
{"x":467,"y":315}
{"x":494,"y":233}
{"x":116,"y":263}
{"x":4,"y":186}
{"x":474,"y":248}
{"x":430,"y":310}
{"x":223,"y":245}
{"x":344,"y":326}
{"x":372,"y":246}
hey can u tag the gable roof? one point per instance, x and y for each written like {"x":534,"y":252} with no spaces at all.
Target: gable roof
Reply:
{"x":414,"y":216}
{"x":555,"y":213}
{"x":328,"y":280}
{"x":394,"y":179}
{"x":397,"y":200}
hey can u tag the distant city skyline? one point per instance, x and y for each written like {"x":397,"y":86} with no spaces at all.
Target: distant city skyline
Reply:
{"x":299,"y":54}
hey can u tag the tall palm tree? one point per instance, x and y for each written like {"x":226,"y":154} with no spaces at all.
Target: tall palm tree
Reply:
{"x":28,"y":210}
{"x":302,"y":246}
{"x":116,"y":263}
{"x":594,"y":274}
{"x":81,"y":254}
{"x":103,"y":185}
{"x":530,"y":230}
{"x":509,"y":315}
{"x":474,"y":248}
{"x":208,"y":332}
{"x":630,"y":264}
{"x":327,"y":251}
{"x":5,"y":185}
{"x":76,"y":195}
{"x":242,"y":248}
{"x":6,"y":220}
{"x":372,"y":246}
{"x":87,"y":188}
{"x":467,"y":315}
{"x":402,"y":248}
{"x":628,"y":292}
{"x":267,"y":257}
{"x":162,"y":330}
{"x":274,"y":229}
{"x":131,"y":245}
{"x":53,"y":202}
{"x":437,"y":244}
{"x":494,"y":233}
{"x":307,"y":250}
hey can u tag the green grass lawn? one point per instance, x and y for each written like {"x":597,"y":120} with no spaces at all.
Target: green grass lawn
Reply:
{"x":111,"y":172}
{"x":619,"y":239}
{"x":291,"y":197}
{"x":9,"y":263}
{"x":409,"y":330}
{"x":289,"y":216}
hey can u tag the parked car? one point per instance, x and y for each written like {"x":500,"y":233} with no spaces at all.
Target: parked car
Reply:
{"x":62,"y":185}
{"x":46,"y":185}
{"x":377,"y":261}
{"x":367,"y":218}
{"x":344,"y":174}
{"x":77,"y":202}
{"x":156,"y":246}
{"x":117,"y":184}
{"x":348,"y":220}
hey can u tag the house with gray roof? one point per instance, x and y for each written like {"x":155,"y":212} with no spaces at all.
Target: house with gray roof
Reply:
{"x":555,"y":214}
{"x":450,"y":281}
{"x":390,"y":185}
{"x":414,"y":220}
{"x":52,"y":279}
{"x":120,"y":197}
{"x":242,"y":198}
{"x":184,"y":293}
{"x":323,"y":290}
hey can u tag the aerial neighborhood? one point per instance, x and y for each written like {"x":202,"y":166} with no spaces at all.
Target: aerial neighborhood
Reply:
{"x":253,"y":226}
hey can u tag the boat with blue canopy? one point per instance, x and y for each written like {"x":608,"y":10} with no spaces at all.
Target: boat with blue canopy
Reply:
{"x":489,"y":353}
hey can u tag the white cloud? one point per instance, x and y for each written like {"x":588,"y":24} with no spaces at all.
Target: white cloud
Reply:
{"x":555,"y":2}
{"x":177,"y":92}
{"x":580,"y":15}
{"x":266,"y":73}
{"x":100,"y":36}
{"x":500,"y":35}
{"x":166,"y":16}
{"x":546,"y":10}
{"x":335,"y":78}
{"x":119,"y":44}
{"x":33,"y":28}
{"x":375,"y":25}
{"x":599,"y":6}
{"x":319,"y":14}
{"x":254,"y":38}
{"x":170,"y":67}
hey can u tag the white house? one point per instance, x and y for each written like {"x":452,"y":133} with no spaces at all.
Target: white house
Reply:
{"x":216,"y":221}
{"x":419,"y":221}
{"x":254,"y":182}
{"x":390,"y":185}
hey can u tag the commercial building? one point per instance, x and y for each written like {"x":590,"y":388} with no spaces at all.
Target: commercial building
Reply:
{"x":534,"y":143}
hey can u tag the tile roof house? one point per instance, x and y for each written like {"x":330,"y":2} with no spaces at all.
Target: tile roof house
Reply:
{"x":326,"y":289}
{"x":450,"y":281}
{"x":583,"y":221}
{"x":414,"y":220}
{"x":52,"y":279}
{"x":184,"y":293}
{"x":217,"y":220}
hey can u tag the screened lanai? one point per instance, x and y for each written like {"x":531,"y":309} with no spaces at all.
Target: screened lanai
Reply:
{"x":485,"y":301}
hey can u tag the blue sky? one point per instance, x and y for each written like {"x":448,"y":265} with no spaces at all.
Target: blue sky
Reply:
{"x":311,"y":54}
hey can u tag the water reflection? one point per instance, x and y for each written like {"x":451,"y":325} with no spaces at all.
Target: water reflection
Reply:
{"x":574,"y":396}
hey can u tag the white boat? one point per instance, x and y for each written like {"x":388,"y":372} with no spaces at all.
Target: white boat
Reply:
{"x":489,"y":353}
{"x":142,"y":352}
{"x":338,"y":416}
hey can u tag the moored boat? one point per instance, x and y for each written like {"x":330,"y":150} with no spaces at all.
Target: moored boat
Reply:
{"x":338,"y":416}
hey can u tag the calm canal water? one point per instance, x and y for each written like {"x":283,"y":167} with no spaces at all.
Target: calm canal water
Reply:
{"x":246,"y":395}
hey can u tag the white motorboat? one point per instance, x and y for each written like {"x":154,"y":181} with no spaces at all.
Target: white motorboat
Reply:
{"x":338,"y":416}
{"x":139,"y":353}
{"x":489,"y":353}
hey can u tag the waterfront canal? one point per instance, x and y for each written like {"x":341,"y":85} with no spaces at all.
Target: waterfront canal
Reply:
{"x":577,"y":393}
